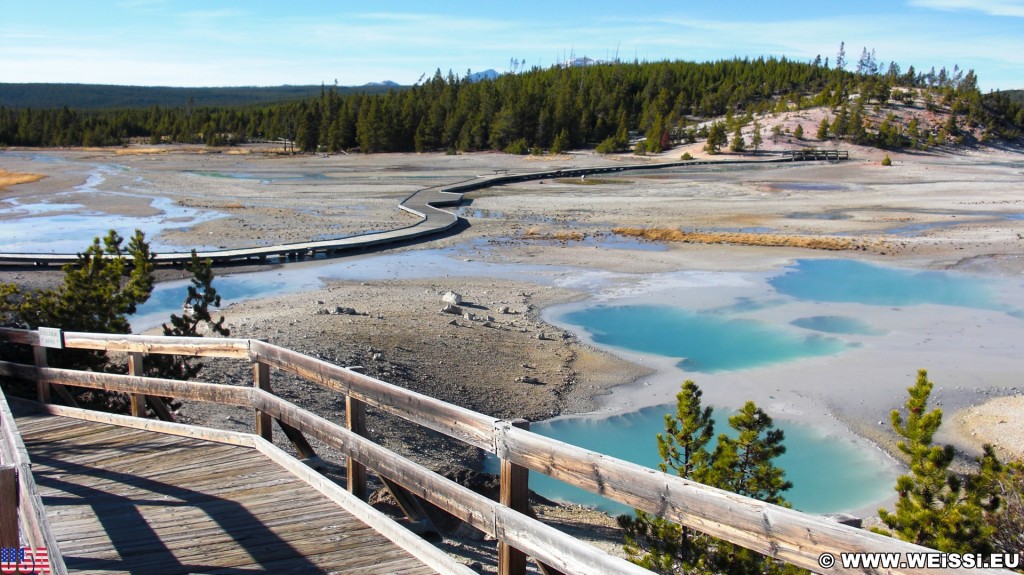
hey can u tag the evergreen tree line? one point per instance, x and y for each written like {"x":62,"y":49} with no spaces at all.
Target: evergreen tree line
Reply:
{"x":550,"y":109}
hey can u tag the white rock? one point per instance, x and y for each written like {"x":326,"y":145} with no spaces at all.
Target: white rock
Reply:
{"x":452,"y":309}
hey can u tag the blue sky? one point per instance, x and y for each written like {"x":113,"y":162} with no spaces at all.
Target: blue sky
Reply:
{"x":256,"y":42}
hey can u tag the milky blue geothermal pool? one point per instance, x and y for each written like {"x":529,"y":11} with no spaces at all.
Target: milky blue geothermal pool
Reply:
{"x":811,"y":311}
{"x":742,"y":336}
{"x":812,"y":460}
{"x":707,"y":342}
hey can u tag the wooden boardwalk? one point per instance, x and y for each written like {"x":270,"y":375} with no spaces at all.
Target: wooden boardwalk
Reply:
{"x":200,"y":500}
{"x":124,"y":500}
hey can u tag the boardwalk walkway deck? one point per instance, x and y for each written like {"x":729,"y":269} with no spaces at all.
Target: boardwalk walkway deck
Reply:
{"x":124,"y":500}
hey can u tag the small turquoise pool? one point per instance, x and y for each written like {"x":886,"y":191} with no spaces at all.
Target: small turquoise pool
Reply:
{"x":835,"y":280}
{"x":811,"y":460}
{"x":706,"y":342}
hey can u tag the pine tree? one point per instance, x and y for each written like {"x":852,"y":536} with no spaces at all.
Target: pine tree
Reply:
{"x":936,"y":507}
{"x":742,"y":465}
{"x":100,"y":291}
{"x":716,"y":138}
{"x":757,"y":138}
{"x":683,"y":445}
{"x":823,"y":129}
{"x":1009,"y":521}
{"x":196,"y":313}
{"x":738,"y":144}
{"x":561,"y":142}
{"x":798,"y":132}
{"x":655,"y":142}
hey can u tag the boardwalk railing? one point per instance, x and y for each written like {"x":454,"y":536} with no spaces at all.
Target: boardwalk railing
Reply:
{"x":809,"y":154}
{"x":23,"y":521}
{"x":788,"y":535}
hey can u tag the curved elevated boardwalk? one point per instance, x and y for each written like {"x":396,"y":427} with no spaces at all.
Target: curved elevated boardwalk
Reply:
{"x":425,"y":204}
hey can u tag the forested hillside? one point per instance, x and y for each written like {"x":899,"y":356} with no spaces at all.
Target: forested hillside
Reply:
{"x":95,"y":97}
{"x":561,"y":108}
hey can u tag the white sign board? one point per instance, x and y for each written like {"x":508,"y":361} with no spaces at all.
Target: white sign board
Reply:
{"x":51,"y":337}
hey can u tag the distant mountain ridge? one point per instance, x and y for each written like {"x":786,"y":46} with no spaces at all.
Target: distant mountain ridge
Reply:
{"x":489,"y":74}
{"x":102,"y":96}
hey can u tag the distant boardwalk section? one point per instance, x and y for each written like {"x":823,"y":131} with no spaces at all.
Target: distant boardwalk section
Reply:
{"x":426,"y":204}
{"x":810,"y":154}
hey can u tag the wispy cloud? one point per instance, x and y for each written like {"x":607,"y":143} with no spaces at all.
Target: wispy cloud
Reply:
{"x":991,"y":7}
{"x":158,"y":41}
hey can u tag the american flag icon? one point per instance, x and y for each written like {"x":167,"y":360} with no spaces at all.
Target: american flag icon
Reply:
{"x":24,"y":561}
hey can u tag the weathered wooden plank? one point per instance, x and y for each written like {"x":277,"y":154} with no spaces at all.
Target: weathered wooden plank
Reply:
{"x":20,"y":336}
{"x":35,"y":528}
{"x":137,"y":369}
{"x":404,"y":538}
{"x":410,"y":505}
{"x":165,"y":427}
{"x":355,"y":472}
{"x":14,"y":451}
{"x":514,"y":493}
{"x":168,"y":502}
{"x":215,"y":478}
{"x":261,"y":380}
{"x":215,"y":393}
{"x":39,"y":421}
{"x":191,"y":346}
{"x":464,"y":424}
{"x":167,"y":510}
{"x":303,"y":533}
{"x":195,"y":524}
{"x":9,"y":507}
{"x":42,"y":387}
{"x":298,"y":441}
{"x":289,"y":546}
{"x":551,"y":546}
{"x":159,"y":407}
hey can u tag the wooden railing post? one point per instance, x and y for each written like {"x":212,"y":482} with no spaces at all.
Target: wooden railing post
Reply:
{"x":9,"y":507}
{"x":42,"y":387}
{"x":355,"y":419}
{"x":261,"y":380}
{"x":515,"y":494}
{"x":137,"y":368}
